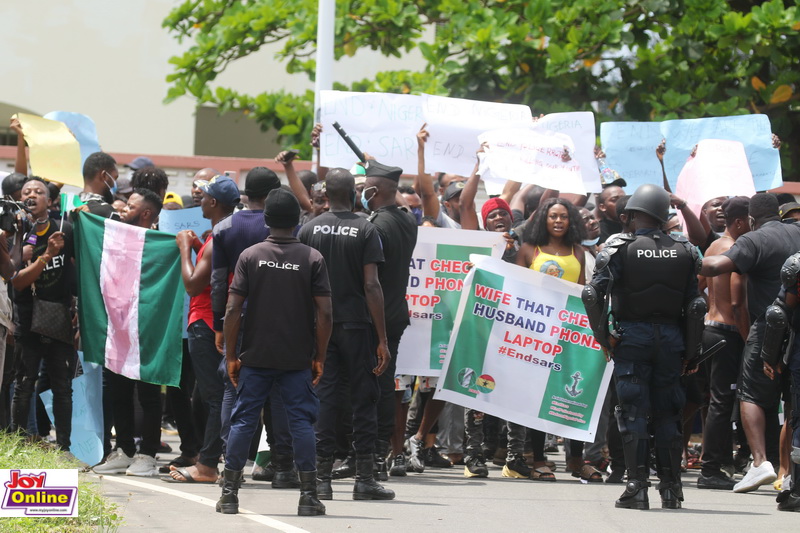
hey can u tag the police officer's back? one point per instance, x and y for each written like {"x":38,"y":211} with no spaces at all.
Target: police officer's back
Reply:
{"x":651,"y":279}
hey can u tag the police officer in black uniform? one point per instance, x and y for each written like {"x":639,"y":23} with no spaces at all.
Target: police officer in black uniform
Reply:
{"x":398,"y":231}
{"x":650,"y":277}
{"x":781,"y":349}
{"x":357,"y":352}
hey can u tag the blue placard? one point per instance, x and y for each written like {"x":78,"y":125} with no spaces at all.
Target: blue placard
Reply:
{"x":630,"y":149}
{"x":173,"y":221}
{"x":87,"y":413}
{"x":753,"y":131}
{"x":82,"y":127}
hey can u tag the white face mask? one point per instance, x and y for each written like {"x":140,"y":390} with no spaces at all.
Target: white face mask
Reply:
{"x":591,"y":242}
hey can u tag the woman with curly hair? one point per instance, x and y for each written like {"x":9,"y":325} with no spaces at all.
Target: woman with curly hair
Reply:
{"x":552,"y":246}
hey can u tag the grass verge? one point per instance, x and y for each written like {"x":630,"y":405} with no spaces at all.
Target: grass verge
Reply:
{"x":95,"y":513}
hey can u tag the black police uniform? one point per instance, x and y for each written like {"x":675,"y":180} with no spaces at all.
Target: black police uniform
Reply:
{"x":652,"y":279}
{"x":398,"y":231}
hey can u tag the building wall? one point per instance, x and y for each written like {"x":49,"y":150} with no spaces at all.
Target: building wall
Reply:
{"x":109,"y":60}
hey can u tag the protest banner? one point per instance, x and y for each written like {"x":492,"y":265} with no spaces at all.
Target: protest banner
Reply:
{"x":630,"y":149}
{"x":54,"y":152}
{"x":454,"y":125}
{"x":381,"y":124}
{"x":524,"y":155}
{"x":174,"y":221}
{"x":82,"y":127}
{"x":753,"y":131}
{"x":719,"y":168}
{"x":522,"y":350}
{"x":579,"y":126}
{"x":87,"y":413}
{"x":438,"y":269}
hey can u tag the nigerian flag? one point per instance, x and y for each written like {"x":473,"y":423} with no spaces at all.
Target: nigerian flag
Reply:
{"x":130,"y":299}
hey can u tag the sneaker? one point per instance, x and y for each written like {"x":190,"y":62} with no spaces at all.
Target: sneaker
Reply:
{"x":143,"y":466}
{"x":435,"y":460}
{"x":398,"y":466}
{"x":515,"y":467}
{"x":788,"y":501}
{"x":474,"y":466}
{"x":755,"y":477}
{"x":116,"y":463}
{"x":550,"y":444}
{"x":163,"y":447}
{"x":616,"y":476}
{"x":721,"y":482}
{"x":416,"y":460}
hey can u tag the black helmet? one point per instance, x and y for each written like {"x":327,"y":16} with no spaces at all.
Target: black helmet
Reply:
{"x":650,"y":199}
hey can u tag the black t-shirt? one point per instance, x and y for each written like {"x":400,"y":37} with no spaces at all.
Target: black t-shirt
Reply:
{"x":398,"y":232}
{"x":56,"y":283}
{"x":760,"y":254}
{"x":279,"y":278}
{"x":347,"y":242}
{"x":608,"y":228}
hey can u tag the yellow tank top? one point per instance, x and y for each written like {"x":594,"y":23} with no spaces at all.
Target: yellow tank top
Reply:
{"x":564,"y":267}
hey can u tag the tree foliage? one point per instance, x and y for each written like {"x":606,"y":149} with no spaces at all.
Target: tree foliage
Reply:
{"x":624,"y":59}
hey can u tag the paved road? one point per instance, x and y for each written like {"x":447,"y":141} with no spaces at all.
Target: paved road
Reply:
{"x":442,"y":500}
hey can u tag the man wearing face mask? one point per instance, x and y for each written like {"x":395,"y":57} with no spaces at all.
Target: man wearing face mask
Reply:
{"x":398,"y":233}
{"x":100,"y":184}
{"x":413,"y":200}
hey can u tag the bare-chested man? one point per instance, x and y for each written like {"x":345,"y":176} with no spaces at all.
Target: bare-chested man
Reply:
{"x":727,"y":319}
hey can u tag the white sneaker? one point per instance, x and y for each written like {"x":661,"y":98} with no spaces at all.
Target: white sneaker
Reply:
{"x":416,"y":461}
{"x":116,"y":463}
{"x":755,"y":477}
{"x":143,"y":466}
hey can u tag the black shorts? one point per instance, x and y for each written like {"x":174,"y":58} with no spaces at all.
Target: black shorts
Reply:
{"x":754,"y":386}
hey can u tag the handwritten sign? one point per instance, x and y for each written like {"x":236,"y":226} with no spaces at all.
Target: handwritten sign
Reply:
{"x":753,"y":131}
{"x":82,"y":127}
{"x":630,"y":149}
{"x":454,"y":125}
{"x":54,"y":153}
{"x":381,"y":124}
{"x":578,"y":125}
{"x":725,"y":160}
{"x":528,"y":156}
{"x":173,"y":221}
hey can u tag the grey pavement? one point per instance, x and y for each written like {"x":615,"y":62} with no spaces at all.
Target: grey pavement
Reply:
{"x":441,"y":500}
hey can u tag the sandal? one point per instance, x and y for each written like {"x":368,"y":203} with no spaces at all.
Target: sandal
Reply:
{"x":550,"y":465}
{"x":187,"y":477}
{"x":179,"y":462}
{"x":589,"y":474}
{"x":542,"y":473}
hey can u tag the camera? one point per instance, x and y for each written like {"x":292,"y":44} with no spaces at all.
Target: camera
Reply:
{"x":8,"y":213}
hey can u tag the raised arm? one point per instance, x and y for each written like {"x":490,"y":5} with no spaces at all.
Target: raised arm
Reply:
{"x":469,"y":218}
{"x":286,"y":158}
{"x":21,"y":161}
{"x":195,"y":277}
{"x":694,"y":229}
{"x":423,"y":183}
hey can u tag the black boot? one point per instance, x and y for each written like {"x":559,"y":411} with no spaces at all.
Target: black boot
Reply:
{"x":668,"y":459}
{"x":309,"y":504}
{"x":366,"y":488}
{"x":324,"y":467}
{"x":228,"y":503}
{"x":285,"y":472}
{"x":381,"y":450}
{"x":346,"y":469}
{"x":635,"y":495}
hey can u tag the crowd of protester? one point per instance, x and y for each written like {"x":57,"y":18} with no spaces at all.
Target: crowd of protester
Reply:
{"x":302,"y":286}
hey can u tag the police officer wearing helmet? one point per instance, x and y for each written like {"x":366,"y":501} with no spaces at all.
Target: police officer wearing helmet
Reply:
{"x":650,"y":278}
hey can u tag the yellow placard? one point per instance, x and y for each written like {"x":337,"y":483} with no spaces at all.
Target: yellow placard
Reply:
{"x":54,"y":152}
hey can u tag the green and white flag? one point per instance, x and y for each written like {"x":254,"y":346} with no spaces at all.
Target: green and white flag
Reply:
{"x":435,"y":282}
{"x":522,"y":350}
{"x":130,"y":299}
{"x":70,"y":201}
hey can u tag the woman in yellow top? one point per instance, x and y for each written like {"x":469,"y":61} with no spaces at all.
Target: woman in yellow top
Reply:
{"x":552,"y":245}
{"x":552,"y":241}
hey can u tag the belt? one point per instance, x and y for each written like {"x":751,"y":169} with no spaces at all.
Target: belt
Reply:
{"x":720,"y":325}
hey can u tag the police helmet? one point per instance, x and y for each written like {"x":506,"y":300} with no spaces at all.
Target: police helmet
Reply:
{"x":652,"y":200}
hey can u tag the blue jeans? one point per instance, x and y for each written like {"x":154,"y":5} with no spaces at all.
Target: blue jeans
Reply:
{"x":301,"y":408}
{"x":205,"y":361}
